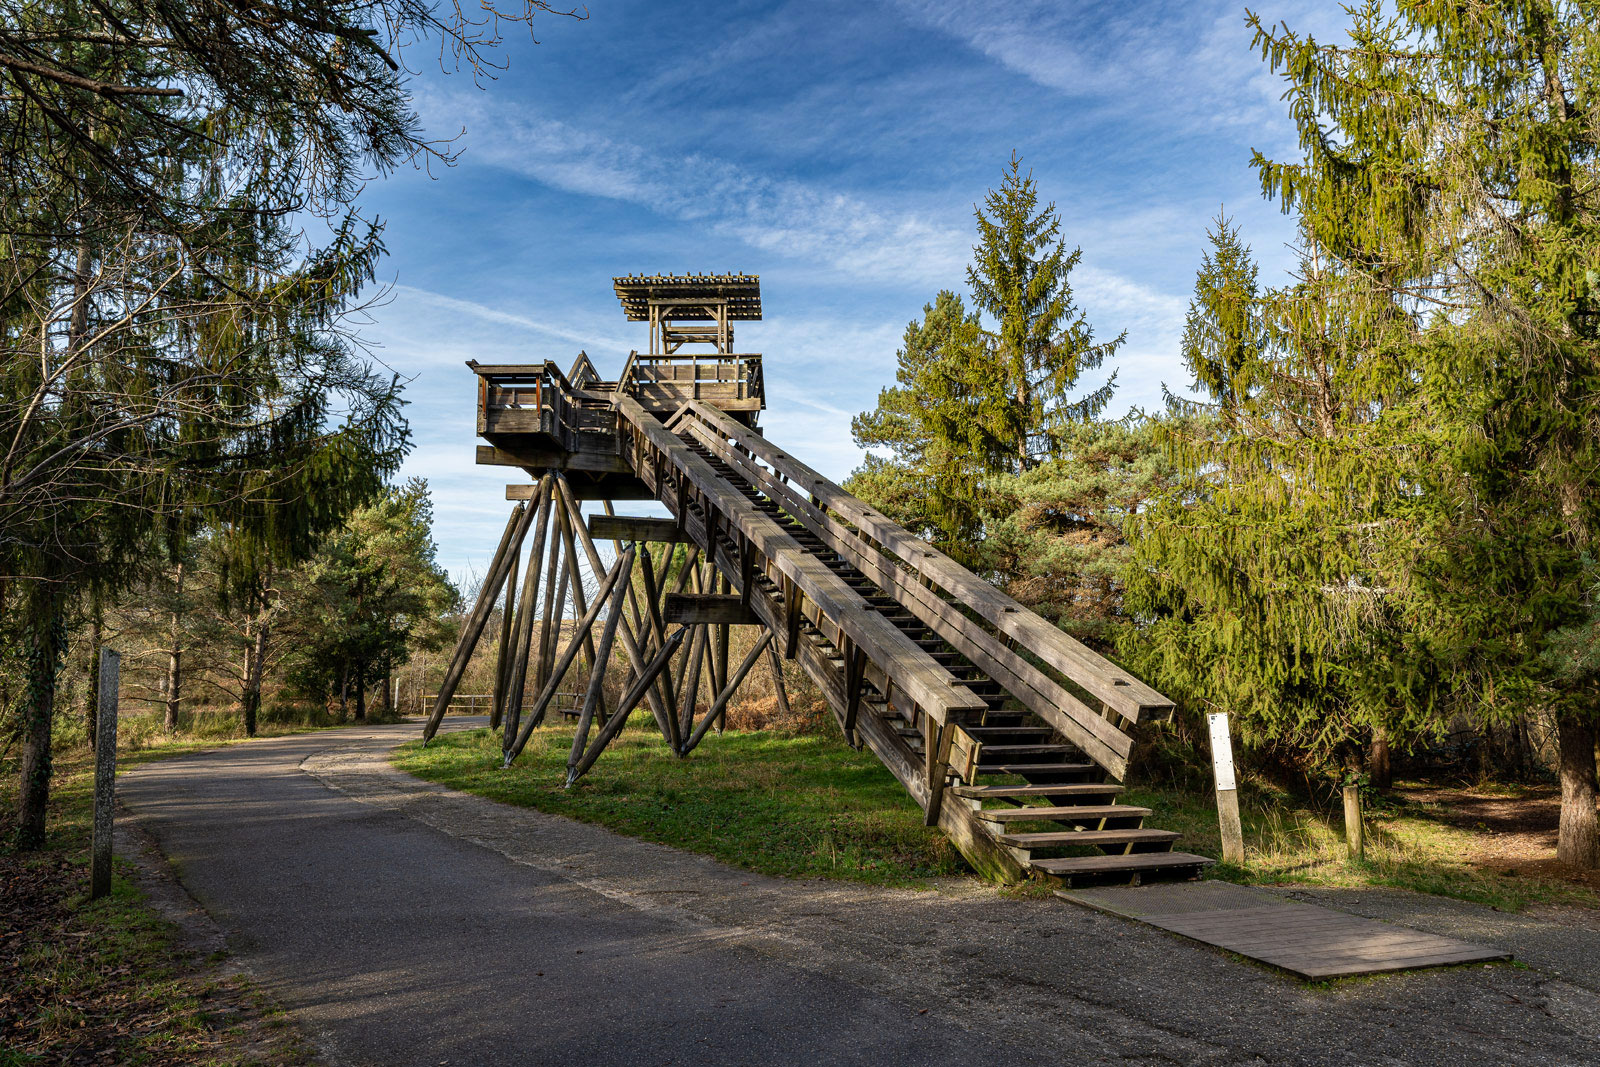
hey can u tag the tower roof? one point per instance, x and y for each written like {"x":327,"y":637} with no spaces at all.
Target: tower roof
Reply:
{"x":682,"y":292}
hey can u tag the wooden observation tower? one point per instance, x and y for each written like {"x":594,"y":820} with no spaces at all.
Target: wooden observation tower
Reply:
{"x":1011,"y":735}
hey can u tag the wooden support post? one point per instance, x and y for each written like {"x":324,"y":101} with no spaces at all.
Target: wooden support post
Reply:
{"x":778,"y":685}
{"x":720,"y":675}
{"x":936,"y":743}
{"x":792,"y":617}
{"x":597,"y":674}
{"x":508,"y":618}
{"x":642,"y":684}
{"x":517,"y":678}
{"x":719,"y":707}
{"x":568,"y":655}
{"x":558,"y":612}
{"x":855,"y":674}
{"x":629,"y":643}
{"x":1227,"y":788}
{"x":1354,"y":835}
{"x":579,"y":606}
{"x":105,"y":772}
{"x":658,"y":637}
{"x":691,"y":681}
{"x":516,"y":528}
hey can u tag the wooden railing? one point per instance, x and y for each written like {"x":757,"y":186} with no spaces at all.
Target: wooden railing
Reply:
{"x":539,"y":399}
{"x":1048,"y":671}
{"x":732,"y":382}
{"x":461,"y":703}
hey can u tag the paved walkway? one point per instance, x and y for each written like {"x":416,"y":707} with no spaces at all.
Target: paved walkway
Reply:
{"x":404,"y":923}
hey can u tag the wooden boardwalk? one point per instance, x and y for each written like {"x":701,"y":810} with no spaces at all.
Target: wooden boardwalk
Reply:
{"x":1308,"y":941}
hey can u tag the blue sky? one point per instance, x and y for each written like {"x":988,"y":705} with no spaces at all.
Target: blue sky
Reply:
{"x":837,"y":151}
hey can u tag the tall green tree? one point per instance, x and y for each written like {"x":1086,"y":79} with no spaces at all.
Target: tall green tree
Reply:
{"x":989,"y":390}
{"x":372,"y":596}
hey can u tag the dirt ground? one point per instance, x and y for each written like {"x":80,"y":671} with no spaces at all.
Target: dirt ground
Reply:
{"x":1515,"y":829}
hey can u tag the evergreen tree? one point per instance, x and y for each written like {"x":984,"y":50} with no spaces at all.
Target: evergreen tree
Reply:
{"x":1222,"y":331}
{"x":974,"y":401}
{"x":1043,"y":343}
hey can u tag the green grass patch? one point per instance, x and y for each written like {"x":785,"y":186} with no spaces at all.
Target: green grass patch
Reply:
{"x":803,"y":806}
{"x":1408,"y":846}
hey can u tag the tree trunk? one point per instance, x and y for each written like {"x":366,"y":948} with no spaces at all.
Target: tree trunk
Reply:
{"x":46,"y":640}
{"x":385,"y":706}
{"x":175,"y":658}
{"x":91,"y":710}
{"x":1578,"y":840}
{"x":344,"y":694}
{"x":254,"y":658}
{"x":360,"y":686}
{"x":1379,"y":769}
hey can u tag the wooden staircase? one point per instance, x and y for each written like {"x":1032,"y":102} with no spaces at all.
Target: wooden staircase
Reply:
{"x":1027,"y":792}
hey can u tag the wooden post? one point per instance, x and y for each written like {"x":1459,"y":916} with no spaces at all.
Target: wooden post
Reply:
{"x":1354,"y":838}
{"x":105,"y":774}
{"x":517,"y":674}
{"x":597,"y":674}
{"x":1227,"y":789}
{"x":516,"y":528}
{"x":720,"y":706}
{"x":778,"y":686}
{"x":642,"y":684}
{"x":502,"y":674}
{"x":536,"y":713}
{"x":629,"y":644}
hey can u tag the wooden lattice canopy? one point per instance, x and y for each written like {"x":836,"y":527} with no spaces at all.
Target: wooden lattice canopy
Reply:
{"x":739,"y":293}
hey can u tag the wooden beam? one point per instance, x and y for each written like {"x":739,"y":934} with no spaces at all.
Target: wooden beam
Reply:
{"x":635,"y":528}
{"x":709,"y":609}
{"x":533,"y":458}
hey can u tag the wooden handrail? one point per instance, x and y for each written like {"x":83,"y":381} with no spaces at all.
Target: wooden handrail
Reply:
{"x":1081,"y":665}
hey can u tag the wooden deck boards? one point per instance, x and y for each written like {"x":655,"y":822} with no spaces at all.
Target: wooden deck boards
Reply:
{"x":1308,"y":941}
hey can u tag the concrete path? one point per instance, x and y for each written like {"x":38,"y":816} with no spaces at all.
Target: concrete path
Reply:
{"x":403,"y":923}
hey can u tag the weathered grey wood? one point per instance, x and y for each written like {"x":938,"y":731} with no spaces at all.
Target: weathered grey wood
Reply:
{"x":778,"y":685}
{"x":517,"y":681}
{"x":516,"y":527}
{"x":634,"y":528}
{"x":658,"y":636}
{"x":532,"y":458}
{"x":1109,"y":683}
{"x":698,"y":609}
{"x":597,"y":674}
{"x":1101,"y":740}
{"x":690,"y":698}
{"x":663,"y":695}
{"x":625,"y":563}
{"x":105,"y":772}
{"x":502,"y":672}
{"x":575,"y":580}
{"x":719,"y":707}
{"x":913,"y":670}
{"x":554,"y":592}
{"x":1354,"y":838}
{"x":630,"y":700}
{"x":630,"y":643}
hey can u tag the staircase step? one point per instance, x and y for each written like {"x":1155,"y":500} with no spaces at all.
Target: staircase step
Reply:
{"x":1056,"y":838}
{"x":999,"y":733}
{"x":1026,"y":769}
{"x":1138,"y":862}
{"x":1003,"y":751}
{"x":1069,"y":813}
{"x":1060,"y":789}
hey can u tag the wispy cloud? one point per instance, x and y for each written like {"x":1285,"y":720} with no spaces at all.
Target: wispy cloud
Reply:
{"x":829,"y":228}
{"x":484,"y":313}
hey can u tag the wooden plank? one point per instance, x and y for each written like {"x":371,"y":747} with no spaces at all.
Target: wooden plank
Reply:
{"x":1089,"y":837}
{"x":929,"y":684}
{"x":1100,"y":740}
{"x":1138,"y":861}
{"x":634,"y":528}
{"x":531,"y":457}
{"x":1104,"y":679}
{"x":708,"y":609}
{"x":1068,"y":813}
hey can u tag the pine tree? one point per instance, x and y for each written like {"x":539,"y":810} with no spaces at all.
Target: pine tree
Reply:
{"x":1043,"y":344}
{"x":1450,"y":160}
{"x":1222,"y":331}
{"x":978,"y":399}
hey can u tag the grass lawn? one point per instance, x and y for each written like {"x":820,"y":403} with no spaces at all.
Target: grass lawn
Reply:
{"x":1410,"y":845}
{"x":804,"y":806}
{"x":809,"y":806}
{"x":108,"y":981}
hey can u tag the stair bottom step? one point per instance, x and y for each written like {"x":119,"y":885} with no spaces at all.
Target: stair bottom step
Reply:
{"x":1139,"y":862}
{"x":1059,"y":838}
{"x":1070,"y":813}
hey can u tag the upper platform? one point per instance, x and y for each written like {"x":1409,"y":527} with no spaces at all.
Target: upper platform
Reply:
{"x":538,"y":418}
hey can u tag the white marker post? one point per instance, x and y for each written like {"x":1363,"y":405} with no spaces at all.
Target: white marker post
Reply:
{"x":1227,"y":789}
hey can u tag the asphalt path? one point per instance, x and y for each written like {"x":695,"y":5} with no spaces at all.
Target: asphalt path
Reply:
{"x":402,"y":923}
